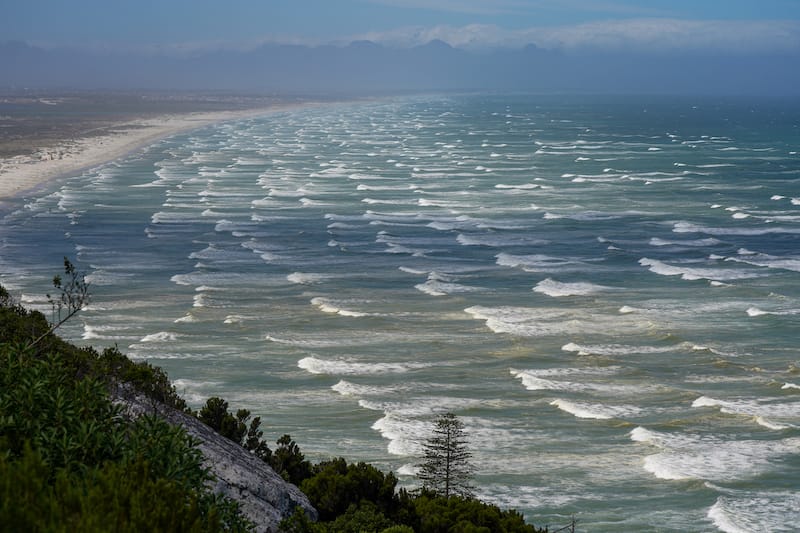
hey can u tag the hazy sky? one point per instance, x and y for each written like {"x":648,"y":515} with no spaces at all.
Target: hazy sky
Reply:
{"x":746,"y":24}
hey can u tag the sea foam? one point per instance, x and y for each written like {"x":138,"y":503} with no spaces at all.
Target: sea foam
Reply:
{"x":558,"y":289}
{"x":316,"y":365}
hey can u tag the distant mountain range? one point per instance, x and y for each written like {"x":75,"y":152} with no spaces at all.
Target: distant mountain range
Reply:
{"x":365,"y":68}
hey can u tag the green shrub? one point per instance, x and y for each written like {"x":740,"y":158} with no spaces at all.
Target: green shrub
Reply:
{"x":335,"y":486}
{"x":288,"y":461}
{"x":70,"y":462}
{"x":121,"y":497}
{"x":145,"y":378}
{"x":428,"y":513}
{"x":72,"y":423}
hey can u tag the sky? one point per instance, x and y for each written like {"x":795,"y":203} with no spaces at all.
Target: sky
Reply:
{"x":760,"y":25}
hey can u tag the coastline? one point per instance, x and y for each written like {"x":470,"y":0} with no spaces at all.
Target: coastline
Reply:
{"x":21,"y":174}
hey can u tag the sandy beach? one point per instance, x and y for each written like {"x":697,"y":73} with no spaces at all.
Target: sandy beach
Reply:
{"x":22,"y":173}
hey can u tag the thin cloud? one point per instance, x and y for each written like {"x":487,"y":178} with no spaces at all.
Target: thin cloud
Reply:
{"x":470,"y":7}
{"x":677,"y":35}
{"x":650,"y":34}
{"x":523,"y":7}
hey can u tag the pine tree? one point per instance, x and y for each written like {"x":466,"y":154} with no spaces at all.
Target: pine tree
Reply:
{"x":446,"y":470}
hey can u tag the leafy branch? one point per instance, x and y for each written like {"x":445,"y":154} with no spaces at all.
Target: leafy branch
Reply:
{"x":73,"y":295}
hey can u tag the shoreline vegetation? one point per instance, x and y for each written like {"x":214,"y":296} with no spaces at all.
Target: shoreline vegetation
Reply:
{"x":93,"y":441}
{"x":47,"y":136}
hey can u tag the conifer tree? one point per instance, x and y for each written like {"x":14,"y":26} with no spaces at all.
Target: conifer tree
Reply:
{"x":446,"y":470}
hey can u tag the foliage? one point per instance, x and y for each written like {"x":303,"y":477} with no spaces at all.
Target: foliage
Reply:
{"x":215,"y":415}
{"x":70,"y":462}
{"x":17,"y":324}
{"x":122,"y":497}
{"x":359,"y":497}
{"x":73,"y":296}
{"x":446,"y":470}
{"x":336,"y":485}
{"x":8,"y":301}
{"x":72,"y":422}
{"x":288,"y":461}
{"x":359,"y":518}
{"x":168,"y":451}
{"x":152,"y":381}
{"x":356,"y":519}
{"x":253,"y":441}
{"x":18,"y":327}
{"x":430,"y":513}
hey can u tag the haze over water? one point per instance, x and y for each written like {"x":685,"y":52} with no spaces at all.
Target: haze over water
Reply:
{"x":605,"y":290}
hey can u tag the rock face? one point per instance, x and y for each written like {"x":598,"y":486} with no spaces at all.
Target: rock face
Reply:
{"x":264,"y":497}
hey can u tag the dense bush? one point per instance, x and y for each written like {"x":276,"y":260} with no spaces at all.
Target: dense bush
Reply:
{"x":428,"y":513}
{"x":19,"y":327}
{"x":115,"y":368}
{"x":359,"y":497}
{"x":72,"y":423}
{"x":70,"y":462}
{"x":335,"y":486}
{"x":118,"y":496}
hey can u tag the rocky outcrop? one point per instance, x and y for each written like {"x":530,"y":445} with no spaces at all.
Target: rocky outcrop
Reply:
{"x":264,"y":497}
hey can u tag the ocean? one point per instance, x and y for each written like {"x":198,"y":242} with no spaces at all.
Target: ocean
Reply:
{"x":605,"y":290}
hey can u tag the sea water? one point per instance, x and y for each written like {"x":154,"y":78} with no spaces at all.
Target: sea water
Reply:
{"x":605,"y":290}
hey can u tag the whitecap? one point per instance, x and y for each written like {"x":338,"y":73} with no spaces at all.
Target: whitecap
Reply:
{"x":161,"y":336}
{"x":522,"y":187}
{"x":543,"y":322}
{"x":694,"y":273}
{"x":762,"y":411}
{"x":711,"y":458}
{"x":408,"y":469}
{"x":614,"y":349}
{"x":576,"y":380}
{"x":331,"y":306}
{"x":687,"y":227}
{"x":434,"y":287}
{"x":405,"y":435}
{"x":347,"y":388}
{"x":315,"y":365}
{"x":558,"y":289}
{"x":746,"y":512}
{"x":596,"y":411}
{"x":307,"y":278}
{"x":539,"y":262}
{"x":767,"y":261}
{"x":655,"y":241}
{"x":761,"y":421}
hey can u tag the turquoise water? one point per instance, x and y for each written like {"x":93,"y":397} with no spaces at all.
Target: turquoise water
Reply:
{"x":604,"y":290}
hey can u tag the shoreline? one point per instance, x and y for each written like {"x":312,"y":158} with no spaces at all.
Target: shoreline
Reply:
{"x":22,"y":174}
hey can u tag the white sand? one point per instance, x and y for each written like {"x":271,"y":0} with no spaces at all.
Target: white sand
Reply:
{"x":23,"y":173}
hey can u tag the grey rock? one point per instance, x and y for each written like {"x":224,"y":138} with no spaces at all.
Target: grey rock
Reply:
{"x":264,"y":497}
